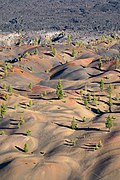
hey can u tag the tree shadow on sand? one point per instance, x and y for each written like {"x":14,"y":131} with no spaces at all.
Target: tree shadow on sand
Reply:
{"x":20,"y":149}
{"x":4,"y":164}
{"x":79,"y":129}
{"x":69,"y":54}
{"x":20,"y":89}
{"x":48,"y":54}
{"x":42,"y":98}
{"x":89,"y":147}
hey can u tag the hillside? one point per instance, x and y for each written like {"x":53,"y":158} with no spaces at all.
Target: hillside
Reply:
{"x":47,"y":138}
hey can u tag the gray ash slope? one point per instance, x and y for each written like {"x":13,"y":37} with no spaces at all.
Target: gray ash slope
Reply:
{"x":72,"y":15}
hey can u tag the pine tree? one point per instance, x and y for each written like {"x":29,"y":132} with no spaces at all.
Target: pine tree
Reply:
{"x":15,"y":106}
{"x":114,"y":35}
{"x":22,"y":121}
{"x":110,"y":89}
{"x":102,"y":84}
{"x":117,"y":61}
{"x":100,"y":144}
{"x":6,"y":96}
{"x":59,"y":90}
{"x":74,"y":124}
{"x":68,"y":39}
{"x":53,"y":50}
{"x":103,"y":38}
{"x":86,"y":101}
{"x":109,"y":123}
{"x":84,"y":119}
{"x":30,"y":102}
{"x":4,"y":86}
{"x":89,"y":97}
{"x":5,"y":70}
{"x":30,"y":85}
{"x":10,"y":89}
{"x":3,"y":110}
{"x":36,"y":51}
{"x":19,"y":124}
{"x":26,"y":148}
{"x":36,"y":41}
{"x":74,"y":53}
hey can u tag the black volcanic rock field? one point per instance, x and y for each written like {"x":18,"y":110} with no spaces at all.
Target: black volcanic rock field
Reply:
{"x":72,"y":15}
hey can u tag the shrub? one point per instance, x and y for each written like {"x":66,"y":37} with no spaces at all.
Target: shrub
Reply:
{"x":26,"y":54}
{"x":100,"y":144}
{"x":2,"y":132}
{"x":96,"y":147}
{"x":28,"y":133}
{"x":84,"y":119}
